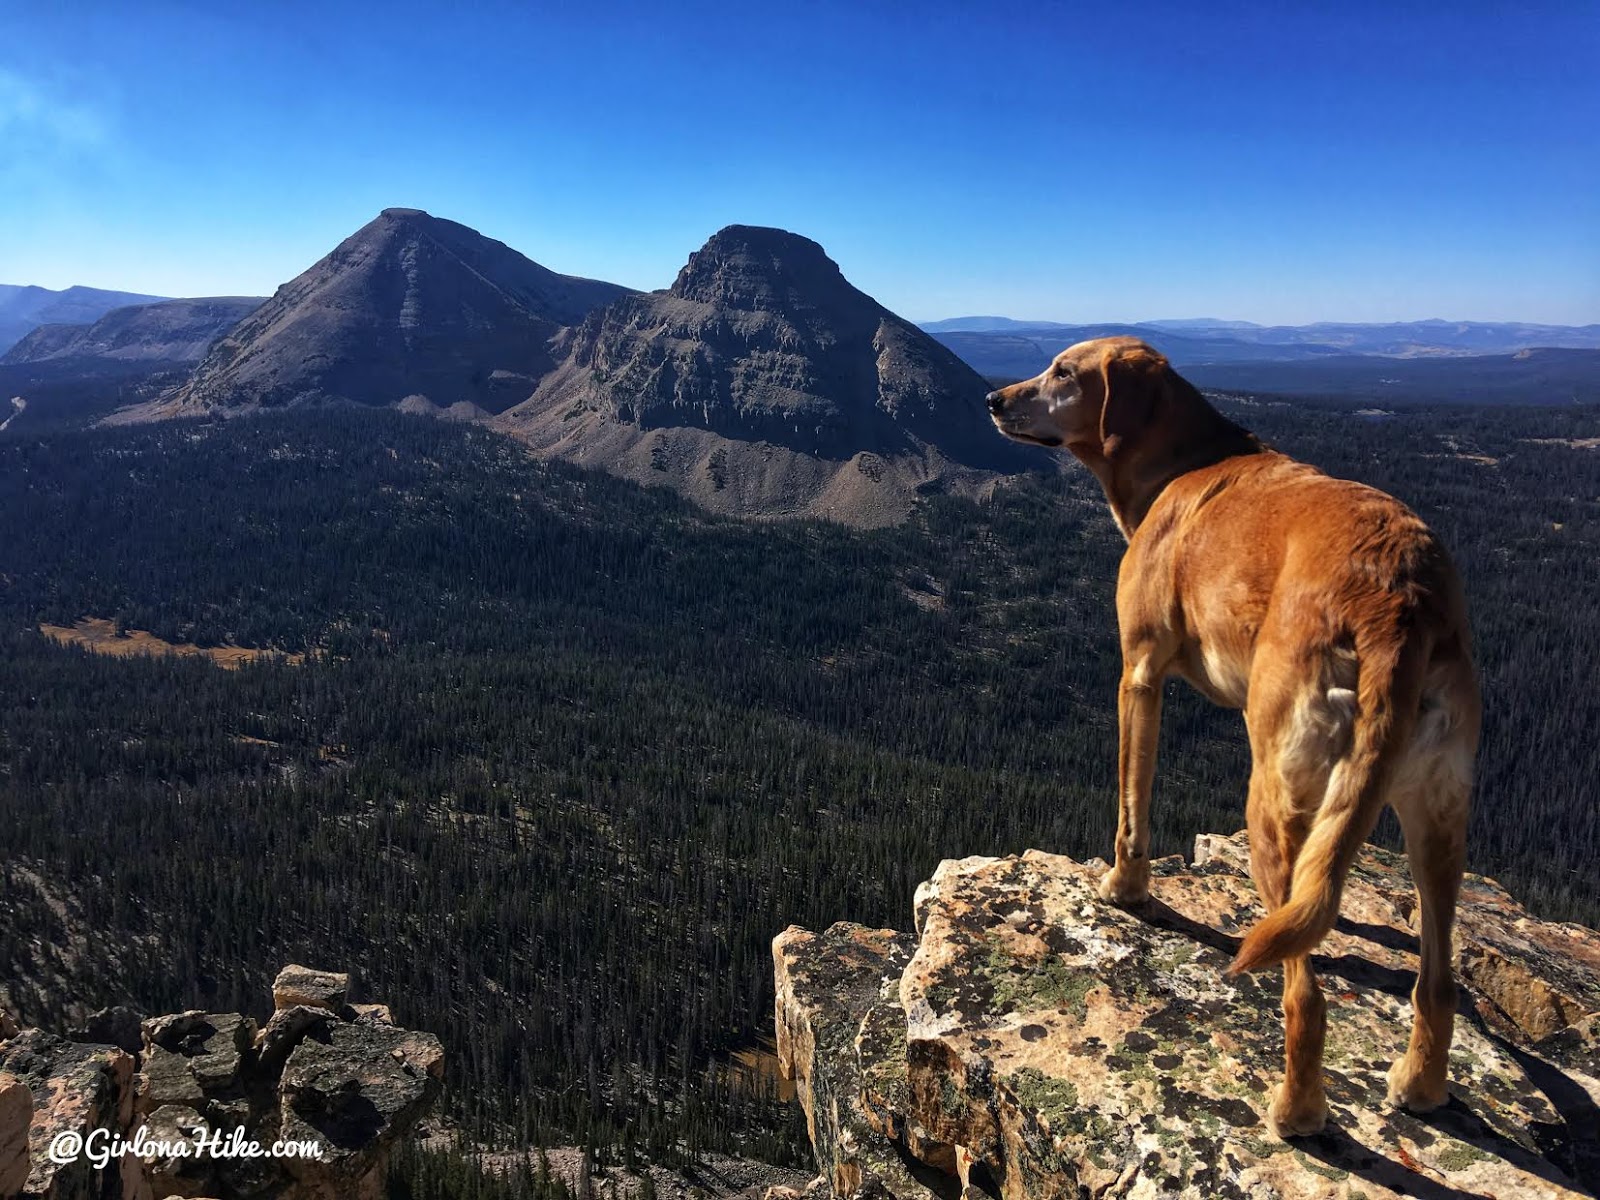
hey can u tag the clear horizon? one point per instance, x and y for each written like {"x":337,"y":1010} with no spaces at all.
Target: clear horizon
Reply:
{"x":1353,"y":164}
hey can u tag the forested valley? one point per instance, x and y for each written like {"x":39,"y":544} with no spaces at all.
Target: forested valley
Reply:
{"x":563,"y":754}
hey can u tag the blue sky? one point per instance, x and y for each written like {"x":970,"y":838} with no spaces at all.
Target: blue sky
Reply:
{"x":1272,"y":162}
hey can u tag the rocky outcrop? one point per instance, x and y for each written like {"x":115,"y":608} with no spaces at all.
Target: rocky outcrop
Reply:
{"x":352,"y":1087}
{"x":320,"y":1073}
{"x":1031,"y":1041}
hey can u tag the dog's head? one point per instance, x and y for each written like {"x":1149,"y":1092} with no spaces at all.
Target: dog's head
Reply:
{"x":1095,"y":399}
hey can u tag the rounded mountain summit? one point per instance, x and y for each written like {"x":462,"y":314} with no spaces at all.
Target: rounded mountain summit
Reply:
{"x":761,"y":383}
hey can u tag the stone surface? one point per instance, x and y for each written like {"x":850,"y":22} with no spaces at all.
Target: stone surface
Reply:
{"x":16,"y":1116}
{"x":297,"y":985}
{"x":355,"y":1088}
{"x":282,"y":1033}
{"x":827,"y":985}
{"x":194,"y":1057}
{"x":1042,"y":1043}
{"x":344,"y":1077}
{"x":76,"y":1089}
{"x":117,"y":1026}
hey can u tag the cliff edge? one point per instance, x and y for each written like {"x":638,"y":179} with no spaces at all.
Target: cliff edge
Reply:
{"x":1029,"y":1040}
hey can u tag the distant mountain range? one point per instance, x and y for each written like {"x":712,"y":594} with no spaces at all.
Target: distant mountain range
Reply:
{"x":760,"y":383}
{"x":23,"y":308}
{"x":169,"y":331}
{"x":1002,"y":348}
{"x":1539,"y":375}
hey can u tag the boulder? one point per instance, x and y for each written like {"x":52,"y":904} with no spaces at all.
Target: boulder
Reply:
{"x":282,"y":1033}
{"x":355,"y":1089}
{"x":1039,"y":1042}
{"x":297,"y":985}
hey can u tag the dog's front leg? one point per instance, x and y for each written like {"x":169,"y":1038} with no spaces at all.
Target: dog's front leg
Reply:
{"x":1138,"y":723}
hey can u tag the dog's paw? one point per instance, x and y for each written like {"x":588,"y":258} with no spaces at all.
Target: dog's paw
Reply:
{"x":1411,"y":1089}
{"x":1296,"y":1116}
{"x":1125,"y":888}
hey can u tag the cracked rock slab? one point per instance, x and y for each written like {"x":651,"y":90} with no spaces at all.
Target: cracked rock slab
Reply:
{"x":1046,"y":1044}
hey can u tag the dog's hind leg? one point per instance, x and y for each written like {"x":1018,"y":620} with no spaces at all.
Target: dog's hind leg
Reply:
{"x":1300,"y":1105}
{"x":1431,"y":799}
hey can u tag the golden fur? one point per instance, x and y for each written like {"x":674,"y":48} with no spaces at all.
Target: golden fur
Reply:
{"x":1329,"y":613}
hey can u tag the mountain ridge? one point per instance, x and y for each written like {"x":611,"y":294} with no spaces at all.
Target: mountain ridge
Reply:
{"x":408,"y":305}
{"x":165,"y":331}
{"x":24,"y":307}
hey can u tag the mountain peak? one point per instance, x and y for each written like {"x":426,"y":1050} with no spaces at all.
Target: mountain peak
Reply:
{"x":763,"y":382}
{"x":408,"y":305}
{"x":759,"y":238}
{"x":756,"y":267}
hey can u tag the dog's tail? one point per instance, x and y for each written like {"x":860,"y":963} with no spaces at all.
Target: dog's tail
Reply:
{"x":1390,"y":691}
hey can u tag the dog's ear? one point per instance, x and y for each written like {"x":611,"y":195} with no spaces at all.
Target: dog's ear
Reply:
{"x":1133,"y":377}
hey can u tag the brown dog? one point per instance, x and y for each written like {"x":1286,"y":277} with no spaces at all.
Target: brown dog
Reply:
{"x":1329,"y":613}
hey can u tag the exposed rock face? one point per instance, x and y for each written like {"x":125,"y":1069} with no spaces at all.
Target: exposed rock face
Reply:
{"x":1040,"y":1043}
{"x":850,"y":974}
{"x":16,"y":1115}
{"x":173,"y":331}
{"x":408,"y":305}
{"x":763,"y":382}
{"x":349,"y":1081}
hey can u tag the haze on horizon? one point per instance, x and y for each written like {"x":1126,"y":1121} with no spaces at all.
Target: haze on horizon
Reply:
{"x":1064,"y":163}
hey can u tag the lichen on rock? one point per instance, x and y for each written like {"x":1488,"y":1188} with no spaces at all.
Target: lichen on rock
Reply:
{"x":1041,"y":1043}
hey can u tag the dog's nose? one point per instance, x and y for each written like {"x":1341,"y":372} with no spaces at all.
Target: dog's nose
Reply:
{"x":995,"y":401}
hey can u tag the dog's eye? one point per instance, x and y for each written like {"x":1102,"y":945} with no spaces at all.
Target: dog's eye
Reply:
{"x":1063,"y":371}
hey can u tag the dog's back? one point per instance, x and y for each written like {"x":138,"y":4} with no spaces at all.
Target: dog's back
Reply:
{"x":1332,"y":614}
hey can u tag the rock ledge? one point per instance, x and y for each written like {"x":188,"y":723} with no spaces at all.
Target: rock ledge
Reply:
{"x":1030,"y":1041}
